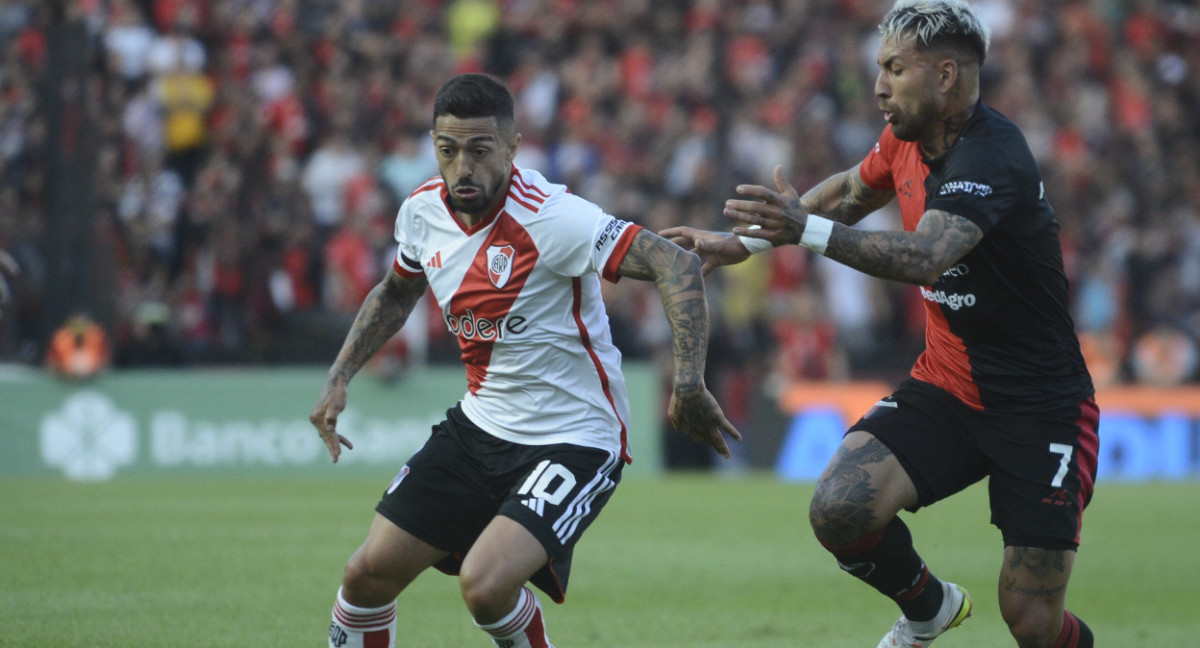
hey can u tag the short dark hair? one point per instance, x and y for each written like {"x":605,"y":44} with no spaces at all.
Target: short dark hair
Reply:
{"x":472,"y":95}
{"x":951,"y":24}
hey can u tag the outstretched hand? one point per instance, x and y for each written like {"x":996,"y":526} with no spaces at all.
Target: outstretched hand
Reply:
{"x":697,"y":414}
{"x":779,"y":215}
{"x":324,"y":418}
{"x":714,"y":248}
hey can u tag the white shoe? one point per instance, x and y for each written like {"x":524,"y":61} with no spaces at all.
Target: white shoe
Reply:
{"x":901,"y":635}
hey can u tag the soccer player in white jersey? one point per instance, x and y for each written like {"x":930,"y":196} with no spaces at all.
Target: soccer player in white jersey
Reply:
{"x":524,"y":462}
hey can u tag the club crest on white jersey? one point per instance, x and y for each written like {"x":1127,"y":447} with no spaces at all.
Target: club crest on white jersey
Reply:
{"x":499,"y":264}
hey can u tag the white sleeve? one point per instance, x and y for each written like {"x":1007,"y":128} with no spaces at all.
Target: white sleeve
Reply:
{"x":408,"y":255}
{"x":578,"y":237}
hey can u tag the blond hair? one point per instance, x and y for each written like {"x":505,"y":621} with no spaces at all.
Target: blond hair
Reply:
{"x":937,"y":23}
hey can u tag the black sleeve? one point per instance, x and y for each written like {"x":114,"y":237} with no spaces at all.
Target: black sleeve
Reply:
{"x":982,"y":183}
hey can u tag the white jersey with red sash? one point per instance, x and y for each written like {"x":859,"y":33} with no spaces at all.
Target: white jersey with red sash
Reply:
{"x":521,"y":292}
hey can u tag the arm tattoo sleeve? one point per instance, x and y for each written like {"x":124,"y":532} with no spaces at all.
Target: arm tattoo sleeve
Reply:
{"x":681,"y":287}
{"x":845,"y":198}
{"x":385,"y":309}
{"x":911,"y":257}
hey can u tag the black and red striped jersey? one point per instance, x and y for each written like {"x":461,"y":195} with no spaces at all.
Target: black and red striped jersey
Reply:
{"x":999,"y":333}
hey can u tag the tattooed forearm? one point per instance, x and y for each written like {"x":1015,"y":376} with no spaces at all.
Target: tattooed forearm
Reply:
{"x":676,"y":272}
{"x":841,"y":506}
{"x":911,"y":257}
{"x":382,"y":313}
{"x":844,"y":198}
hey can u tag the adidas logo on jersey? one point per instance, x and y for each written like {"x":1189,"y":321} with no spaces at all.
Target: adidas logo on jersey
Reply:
{"x":535,"y":504}
{"x":435,"y":261}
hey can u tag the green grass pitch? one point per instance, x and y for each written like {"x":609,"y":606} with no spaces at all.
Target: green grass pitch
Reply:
{"x":685,"y":560}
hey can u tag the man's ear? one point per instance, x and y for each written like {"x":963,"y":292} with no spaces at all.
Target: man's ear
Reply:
{"x":948,"y":72}
{"x":513,"y":146}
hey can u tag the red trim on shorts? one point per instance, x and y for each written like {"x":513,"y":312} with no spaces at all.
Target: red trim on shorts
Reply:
{"x":1089,"y":447}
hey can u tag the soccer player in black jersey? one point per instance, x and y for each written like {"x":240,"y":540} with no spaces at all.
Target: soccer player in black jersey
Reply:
{"x":1001,"y":390}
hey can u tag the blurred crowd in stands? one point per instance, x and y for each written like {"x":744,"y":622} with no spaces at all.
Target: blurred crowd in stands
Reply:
{"x":250,"y":156}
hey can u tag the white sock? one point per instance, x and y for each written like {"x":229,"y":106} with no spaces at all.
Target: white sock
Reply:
{"x":521,"y":628}
{"x":358,"y":627}
{"x":933,"y":626}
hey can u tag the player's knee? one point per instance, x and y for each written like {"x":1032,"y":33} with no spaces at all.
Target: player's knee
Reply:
{"x":363,"y":585}
{"x":1033,"y":624}
{"x":356,"y":582}
{"x":486,"y":595}
{"x":834,"y":519}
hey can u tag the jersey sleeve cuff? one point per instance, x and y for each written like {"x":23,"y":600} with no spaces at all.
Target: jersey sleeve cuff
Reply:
{"x":618,"y":253}
{"x":404,"y":271}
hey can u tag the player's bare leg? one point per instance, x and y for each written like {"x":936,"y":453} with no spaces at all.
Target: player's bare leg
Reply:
{"x":853,"y":514}
{"x":493,"y":578}
{"x":364,"y":615}
{"x":1033,"y":590}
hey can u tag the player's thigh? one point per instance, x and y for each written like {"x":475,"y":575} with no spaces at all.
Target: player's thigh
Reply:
{"x":864,"y":481}
{"x":931,"y":435}
{"x":443,"y":495}
{"x":390,"y":558}
{"x":503,"y":558}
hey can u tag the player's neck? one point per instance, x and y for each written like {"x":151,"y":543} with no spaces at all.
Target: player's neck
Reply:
{"x":468,"y":220}
{"x":946,"y":130}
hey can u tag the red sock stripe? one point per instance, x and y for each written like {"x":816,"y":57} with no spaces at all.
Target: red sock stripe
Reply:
{"x":364,"y":622}
{"x":536,"y":631}
{"x":377,"y":639}
{"x":916,"y":589}
{"x":519,"y":621}
{"x":1069,"y":637}
{"x":860,"y":546}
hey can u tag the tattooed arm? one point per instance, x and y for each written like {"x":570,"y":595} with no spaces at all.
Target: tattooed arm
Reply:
{"x":381,"y":315}
{"x":919,"y":257}
{"x":693,"y":409}
{"x":843,"y":197}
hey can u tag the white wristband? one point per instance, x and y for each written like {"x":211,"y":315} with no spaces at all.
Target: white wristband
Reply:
{"x":755,"y":245}
{"x":816,"y":234}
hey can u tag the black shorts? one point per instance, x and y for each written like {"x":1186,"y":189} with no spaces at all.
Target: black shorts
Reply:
{"x":464,"y":477}
{"x":1041,"y":468}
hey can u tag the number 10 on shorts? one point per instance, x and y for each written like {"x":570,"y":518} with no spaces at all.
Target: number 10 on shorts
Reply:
{"x":552,"y":482}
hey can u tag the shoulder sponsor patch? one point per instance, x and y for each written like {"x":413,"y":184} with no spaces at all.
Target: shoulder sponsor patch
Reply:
{"x":965,"y":187}
{"x":612,"y":232}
